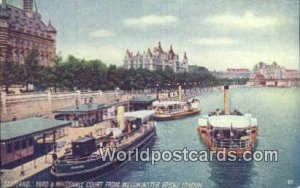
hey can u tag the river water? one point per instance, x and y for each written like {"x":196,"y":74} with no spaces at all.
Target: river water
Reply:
{"x":277,"y":111}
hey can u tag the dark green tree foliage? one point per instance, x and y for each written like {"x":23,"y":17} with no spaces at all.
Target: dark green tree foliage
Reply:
{"x":33,"y":73}
{"x":10,"y":73}
{"x":74,"y":73}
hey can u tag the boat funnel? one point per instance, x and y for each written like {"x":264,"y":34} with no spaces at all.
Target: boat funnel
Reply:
{"x":120,"y":117}
{"x":179,"y":93}
{"x":226,"y":100}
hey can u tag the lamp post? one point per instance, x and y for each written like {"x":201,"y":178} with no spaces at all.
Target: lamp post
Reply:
{"x":169,"y":93}
{"x":157,"y":85}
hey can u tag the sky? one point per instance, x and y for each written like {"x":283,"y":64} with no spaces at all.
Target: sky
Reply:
{"x":217,"y":34}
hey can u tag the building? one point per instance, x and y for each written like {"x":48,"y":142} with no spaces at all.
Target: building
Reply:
{"x":157,"y":59}
{"x":22,"y":30}
{"x":290,"y":74}
{"x":273,"y":75}
{"x":232,"y":73}
{"x":274,"y":71}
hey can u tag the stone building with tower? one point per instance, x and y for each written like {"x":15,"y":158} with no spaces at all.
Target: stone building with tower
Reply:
{"x":21,"y":30}
{"x":157,"y":59}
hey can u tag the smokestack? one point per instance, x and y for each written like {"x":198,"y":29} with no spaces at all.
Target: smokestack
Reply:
{"x":120,"y":117}
{"x":179,"y":93}
{"x":28,"y":5}
{"x":226,"y":100}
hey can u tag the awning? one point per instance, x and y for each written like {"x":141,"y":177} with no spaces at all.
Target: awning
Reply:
{"x":141,"y":114}
{"x":83,"y":109}
{"x":29,"y":127}
{"x":228,"y":121}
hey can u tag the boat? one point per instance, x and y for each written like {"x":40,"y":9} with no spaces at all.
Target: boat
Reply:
{"x":171,"y":110}
{"x":86,"y":156}
{"x":229,"y":131}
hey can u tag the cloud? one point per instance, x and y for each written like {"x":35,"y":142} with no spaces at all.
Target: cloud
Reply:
{"x":213,"y":41}
{"x":246,"y":21}
{"x":109,"y":54}
{"x":101,"y":33}
{"x":151,"y":20}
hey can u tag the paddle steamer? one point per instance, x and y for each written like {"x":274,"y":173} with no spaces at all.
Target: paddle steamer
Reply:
{"x":229,"y":131}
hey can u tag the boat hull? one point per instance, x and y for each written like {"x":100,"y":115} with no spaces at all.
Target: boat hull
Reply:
{"x":100,"y":166}
{"x":180,"y":115}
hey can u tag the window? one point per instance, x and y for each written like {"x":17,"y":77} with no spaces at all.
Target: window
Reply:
{"x":24,"y":144}
{"x":30,"y":141}
{"x":9,"y":148}
{"x":17,"y":145}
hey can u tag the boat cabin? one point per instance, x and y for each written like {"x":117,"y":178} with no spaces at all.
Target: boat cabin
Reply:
{"x":138,"y":119}
{"x":167,"y":107}
{"x":83,"y":147}
{"x":134,"y":122}
{"x":229,"y":131}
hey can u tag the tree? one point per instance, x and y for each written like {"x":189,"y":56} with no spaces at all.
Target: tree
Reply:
{"x":32,"y":69}
{"x":10,"y":74}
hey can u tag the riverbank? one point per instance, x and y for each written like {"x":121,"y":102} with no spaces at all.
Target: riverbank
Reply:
{"x":15,"y":106}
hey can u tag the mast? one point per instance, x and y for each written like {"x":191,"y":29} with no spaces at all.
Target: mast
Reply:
{"x":226,"y":100}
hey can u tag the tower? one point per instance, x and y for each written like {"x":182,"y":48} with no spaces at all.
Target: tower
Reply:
{"x":3,"y":31}
{"x":185,"y":59}
{"x":52,"y":33}
{"x":28,"y":6}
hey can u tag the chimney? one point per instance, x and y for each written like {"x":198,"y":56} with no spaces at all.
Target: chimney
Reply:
{"x":28,"y":5}
{"x":226,"y":100}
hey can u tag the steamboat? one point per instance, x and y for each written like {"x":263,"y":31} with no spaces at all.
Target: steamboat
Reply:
{"x":230,"y":131}
{"x":134,"y":129}
{"x":171,"y":110}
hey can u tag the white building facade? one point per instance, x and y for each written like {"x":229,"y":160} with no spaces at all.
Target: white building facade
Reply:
{"x":157,"y":59}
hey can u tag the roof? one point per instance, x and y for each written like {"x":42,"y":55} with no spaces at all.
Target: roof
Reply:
{"x":83,"y":108}
{"x":31,"y":23}
{"x":141,"y":114}
{"x":226,"y":121}
{"x":142,"y":99}
{"x":167,"y":103}
{"x":29,"y":126}
{"x":51,"y":28}
{"x":202,"y":121}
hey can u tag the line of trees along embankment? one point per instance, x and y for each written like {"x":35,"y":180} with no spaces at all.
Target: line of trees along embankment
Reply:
{"x":80,"y":74}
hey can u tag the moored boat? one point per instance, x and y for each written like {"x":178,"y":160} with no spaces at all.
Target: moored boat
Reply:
{"x":134,"y":130}
{"x":171,"y":110}
{"x":229,"y":131}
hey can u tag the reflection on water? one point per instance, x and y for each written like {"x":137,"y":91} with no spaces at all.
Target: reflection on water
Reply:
{"x":228,"y":174}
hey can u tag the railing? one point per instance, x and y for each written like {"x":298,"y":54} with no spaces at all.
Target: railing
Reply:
{"x":231,"y":143}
